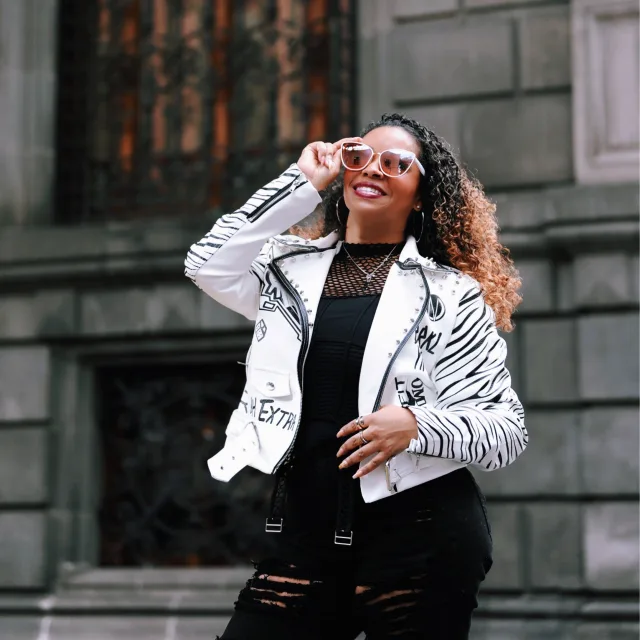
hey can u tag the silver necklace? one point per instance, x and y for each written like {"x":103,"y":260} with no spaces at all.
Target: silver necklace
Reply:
{"x":368,"y":274}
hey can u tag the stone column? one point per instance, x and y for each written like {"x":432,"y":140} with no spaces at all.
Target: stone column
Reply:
{"x":28,"y":36}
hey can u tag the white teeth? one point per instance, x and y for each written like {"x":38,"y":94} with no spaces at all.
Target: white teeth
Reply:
{"x":369,"y":190}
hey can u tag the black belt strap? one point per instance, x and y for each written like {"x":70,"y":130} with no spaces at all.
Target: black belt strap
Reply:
{"x":275,"y":521}
{"x":344,"y":519}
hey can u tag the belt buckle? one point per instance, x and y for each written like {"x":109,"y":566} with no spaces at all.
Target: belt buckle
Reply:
{"x":273,"y":527}
{"x":344,"y":538}
{"x":391,"y":486}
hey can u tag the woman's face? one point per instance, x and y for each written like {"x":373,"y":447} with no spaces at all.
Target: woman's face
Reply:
{"x":391,"y":197}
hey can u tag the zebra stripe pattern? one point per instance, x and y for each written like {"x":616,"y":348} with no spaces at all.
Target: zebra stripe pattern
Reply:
{"x":477,"y":418}
{"x":229,"y":224}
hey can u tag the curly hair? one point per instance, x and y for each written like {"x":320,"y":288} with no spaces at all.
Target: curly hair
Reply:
{"x":460,"y":227}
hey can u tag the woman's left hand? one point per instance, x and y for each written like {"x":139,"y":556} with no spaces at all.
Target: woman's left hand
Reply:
{"x":386,"y":432}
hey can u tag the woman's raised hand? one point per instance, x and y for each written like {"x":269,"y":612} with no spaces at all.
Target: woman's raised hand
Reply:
{"x":320,"y":162}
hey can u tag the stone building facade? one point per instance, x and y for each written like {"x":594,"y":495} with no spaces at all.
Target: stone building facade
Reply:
{"x":540,"y":99}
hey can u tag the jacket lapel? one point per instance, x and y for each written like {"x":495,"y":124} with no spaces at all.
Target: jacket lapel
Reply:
{"x":400,"y":303}
{"x":307,"y":272}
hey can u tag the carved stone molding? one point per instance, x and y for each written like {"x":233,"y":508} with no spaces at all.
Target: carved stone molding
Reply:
{"x":605,"y":84}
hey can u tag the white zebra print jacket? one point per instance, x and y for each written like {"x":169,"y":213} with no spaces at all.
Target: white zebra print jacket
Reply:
{"x":433,"y":346}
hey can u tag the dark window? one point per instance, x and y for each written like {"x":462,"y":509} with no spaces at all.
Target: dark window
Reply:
{"x":172,"y":107}
{"x":159,"y":505}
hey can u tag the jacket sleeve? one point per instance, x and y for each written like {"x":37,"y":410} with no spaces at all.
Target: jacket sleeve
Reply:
{"x":477,"y":418}
{"x":229,"y":262}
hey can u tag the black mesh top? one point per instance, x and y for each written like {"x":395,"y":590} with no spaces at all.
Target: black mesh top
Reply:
{"x":360,"y":269}
{"x":332,"y":370}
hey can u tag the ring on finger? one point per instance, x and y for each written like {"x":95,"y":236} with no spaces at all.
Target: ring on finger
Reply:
{"x":360,"y":423}
{"x":364,"y":440}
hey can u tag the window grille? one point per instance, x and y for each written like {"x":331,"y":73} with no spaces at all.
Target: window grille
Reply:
{"x":174,"y":107}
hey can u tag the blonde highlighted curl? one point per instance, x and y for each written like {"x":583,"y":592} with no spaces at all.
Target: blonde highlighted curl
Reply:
{"x":460,"y":225}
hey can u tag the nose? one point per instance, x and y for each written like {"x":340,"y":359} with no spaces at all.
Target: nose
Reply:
{"x":373,"y":168}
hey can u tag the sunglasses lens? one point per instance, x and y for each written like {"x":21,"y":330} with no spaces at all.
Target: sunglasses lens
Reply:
{"x":395,"y":162}
{"x":356,"y":156}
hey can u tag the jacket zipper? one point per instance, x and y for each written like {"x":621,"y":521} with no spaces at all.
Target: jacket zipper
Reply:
{"x":304,"y":347}
{"x":425,"y":305}
{"x":283,"y":192}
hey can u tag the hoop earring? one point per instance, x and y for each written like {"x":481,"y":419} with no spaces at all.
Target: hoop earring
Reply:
{"x":421,"y":229}
{"x":338,"y":211}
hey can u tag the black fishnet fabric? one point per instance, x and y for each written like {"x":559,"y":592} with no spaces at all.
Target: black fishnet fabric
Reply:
{"x":346,"y":280}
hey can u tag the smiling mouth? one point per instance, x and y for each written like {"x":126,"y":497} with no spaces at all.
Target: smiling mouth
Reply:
{"x":368,"y":191}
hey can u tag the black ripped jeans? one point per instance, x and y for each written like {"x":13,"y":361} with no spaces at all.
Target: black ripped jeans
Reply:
{"x":413,"y":572}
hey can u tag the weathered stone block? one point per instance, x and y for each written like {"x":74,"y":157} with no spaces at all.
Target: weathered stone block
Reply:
{"x":38,"y":133}
{"x":22,"y":552}
{"x":506,"y":572}
{"x":521,"y":630}
{"x":521,"y":210}
{"x":549,"y":464}
{"x":603,"y":279}
{"x":20,"y":627}
{"x":417,"y":8}
{"x":513,"y":358}
{"x":545,"y":48}
{"x":608,"y":352}
{"x":476,"y":59}
{"x":565,"y":276}
{"x":442,"y":120}
{"x":38,"y":174}
{"x":634,"y":267}
{"x":593,"y":202}
{"x":201,"y":628}
{"x":46,"y":313}
{"x":550,"y":356}
{"x":11,"y":83}
{"x":12,"y":189}
{"x":497,"y":629}
{"x":496,"y":132}
{"x":472,"y":4}
{"x":607,"y":631}
{"x":537,"y":285}
{"x":12,"y":28}
{"x":23,"y":471}
{"x":41,"y":14}
{"x":108,"y":628}
{"x":555,"y":546}
{"x":611,"y":545}
{"x":24,"y":392}
{"x":140,"y":310}
{"x":611,"y":542}
{"x":613,"y":430}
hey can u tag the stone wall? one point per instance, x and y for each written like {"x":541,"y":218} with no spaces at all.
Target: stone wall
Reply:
{"x":495,"y":80}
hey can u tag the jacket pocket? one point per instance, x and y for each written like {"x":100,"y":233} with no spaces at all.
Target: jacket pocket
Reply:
{"x":269,"y":382}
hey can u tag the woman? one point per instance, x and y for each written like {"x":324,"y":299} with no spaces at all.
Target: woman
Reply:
{"x":375,"y":378}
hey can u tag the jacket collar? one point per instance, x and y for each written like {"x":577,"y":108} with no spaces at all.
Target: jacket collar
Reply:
{"x":284,"y":244}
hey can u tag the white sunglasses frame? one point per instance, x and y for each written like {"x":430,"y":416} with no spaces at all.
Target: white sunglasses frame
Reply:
{"x":379,"y":153}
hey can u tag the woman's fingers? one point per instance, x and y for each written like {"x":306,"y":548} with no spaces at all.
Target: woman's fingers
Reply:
{"x":375,"y":462}
{"x":342,"y":141}
{"x":353,"y":426}
{"x":354,"y":442}
{"x":359,"y":454}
